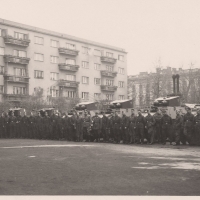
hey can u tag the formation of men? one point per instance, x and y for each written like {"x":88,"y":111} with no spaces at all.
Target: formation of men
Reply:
{"x":127,"y":129}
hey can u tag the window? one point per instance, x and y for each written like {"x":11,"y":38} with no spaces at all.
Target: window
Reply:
{"x":1,"y":69}
{"x":97,"y":66}
{"x":97,"y":81}
{"x":121,"y":70}
{"x":54,"y":76}
{"x":85,"y":80}
{"x":1,"y":51}
{"x":1,"y":89}
{"x":20,"y":72}
{"x":70,"y":46}
{"x":109,"y":96}
{"x":19,"y":90}
{"x":121,"y":84}
{"x":97,"y":53}
{"x":39,"y":57}
{"x":54,"y":92}
{"x":109,"y":68}
{"x":19,"y":35}
{"x":120,"y":57}
{"x":39,"y":40}
{"x":121,"y":97}
{"x":70,"y":94}
{"x":97,"y":96}
{"x":70,"y":61}
{"x":108,"y":54}
{"x":54,"y":43}
{"x":54,"y":59}
{"x":38,"y":74}
{"x":85,"y":50}
{"x":109,"y":82}
{"x":70,"y":77}
{"x":19,"y":53}
{"x":85,"y":64}
{"x":85,"y":95}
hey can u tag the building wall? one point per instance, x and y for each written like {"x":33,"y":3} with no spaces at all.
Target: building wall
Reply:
{"x":47,"y":67}
{"x":189,"y":85}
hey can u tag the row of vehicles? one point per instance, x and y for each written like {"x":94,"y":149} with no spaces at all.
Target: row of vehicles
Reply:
{"x":170,"y":104}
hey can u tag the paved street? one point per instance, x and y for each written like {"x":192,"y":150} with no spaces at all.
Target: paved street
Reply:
{"x":41,"y":167}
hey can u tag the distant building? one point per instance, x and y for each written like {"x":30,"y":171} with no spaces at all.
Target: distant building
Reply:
{"x":146,"y":87}
{"x":59,"y":64}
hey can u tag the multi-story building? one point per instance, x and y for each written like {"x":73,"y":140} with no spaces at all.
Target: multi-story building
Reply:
{"x":146,"y":87}
{"x":60,"y":64}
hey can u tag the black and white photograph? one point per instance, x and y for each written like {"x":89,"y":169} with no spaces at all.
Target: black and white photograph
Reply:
{"x":99,"y":98}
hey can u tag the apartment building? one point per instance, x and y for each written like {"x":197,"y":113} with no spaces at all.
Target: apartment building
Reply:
{"x":145,"y":87}
{"x":59,"y":64}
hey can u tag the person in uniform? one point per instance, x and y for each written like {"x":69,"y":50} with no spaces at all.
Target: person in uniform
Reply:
{"x":87,"y":127}
{"x":140,"y":123}
{"x":177,"y":128}
{"x":182,"y":137}
{"x":39,"y":126}
{"x":73,"y":126}
{"x":31,"y":126}
{"x":53,"y":130}
{"x":66,"y":122}
{"x":6,"y":125}
{"x":197,"y":128}
{"x":2,"y":125}
{"x":116,"y":122}
{"x":166,"y":122}
{"x":188,"y":125}
{"x":12,"y":125}
{"x":96,"y":127}
{"x":19,"y":126}
{"x":124,"y":129}
{"x":59,"y":127}
{"x":46,"y":124}
{"x":110,"y":127}
{"x":79,"y":128}
{"x":104,"y":128}
{"x":25,"y":126}
{"x":158,"y":127}
{"x":132,"y":128}
{"x":150,"y":122}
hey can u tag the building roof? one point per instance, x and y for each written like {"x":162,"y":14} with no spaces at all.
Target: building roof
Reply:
{"x":84,"y":103}
{"x":166,"y":98}
{"x":120,"y":101}
{"x":60,"y":35}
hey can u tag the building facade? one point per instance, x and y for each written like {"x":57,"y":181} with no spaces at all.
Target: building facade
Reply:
{"x":146,"y":87}
{"x":59,"y":64}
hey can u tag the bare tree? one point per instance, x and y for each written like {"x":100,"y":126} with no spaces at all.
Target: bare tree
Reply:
{"x":190,"y":80}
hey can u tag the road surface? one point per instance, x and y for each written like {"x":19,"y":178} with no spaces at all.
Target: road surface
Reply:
{"x":42,"y":167}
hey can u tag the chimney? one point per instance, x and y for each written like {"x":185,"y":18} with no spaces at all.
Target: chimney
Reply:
{"x":174,"y":86}
{"x":177,"y":76}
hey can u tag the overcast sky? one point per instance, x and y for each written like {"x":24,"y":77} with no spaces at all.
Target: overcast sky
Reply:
{"x":146,"y":29}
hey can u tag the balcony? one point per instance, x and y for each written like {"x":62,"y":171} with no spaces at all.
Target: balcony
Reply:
{"x":68,"y":84}
{"x":15,"y":97}
{"x":14,"y":41}
{"x":108,"y":88}
{"x":68,"y":67}
{"x":16,"y":79}
{"x":108,"y":59}
{"x":108,"y":73}
{"x":16,"y":59}
{"x":71,"y":52}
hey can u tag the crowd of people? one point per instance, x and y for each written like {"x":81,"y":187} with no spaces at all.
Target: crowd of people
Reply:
{"x":157,"y":128}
